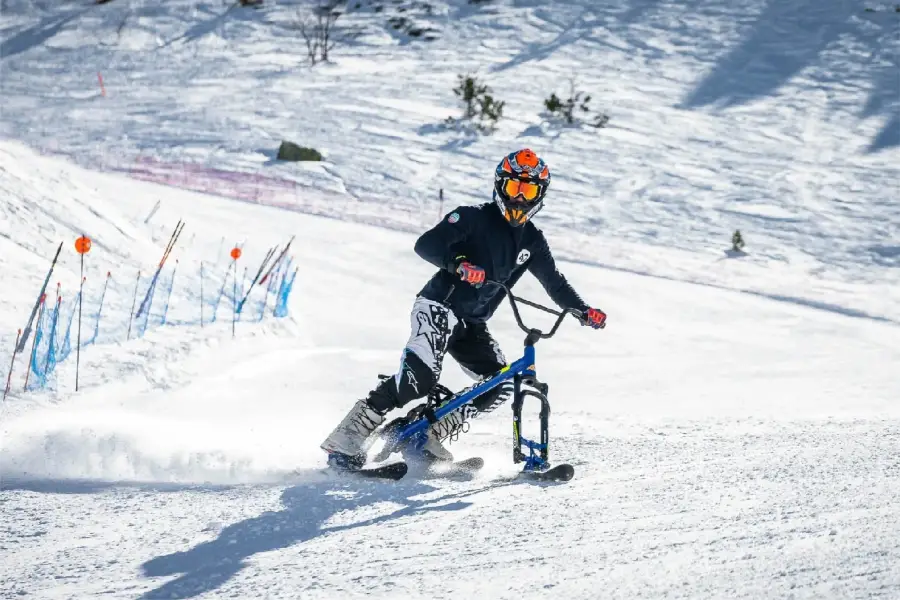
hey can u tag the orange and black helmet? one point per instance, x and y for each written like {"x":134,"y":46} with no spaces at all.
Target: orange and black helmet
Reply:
{"x":520,"y":183}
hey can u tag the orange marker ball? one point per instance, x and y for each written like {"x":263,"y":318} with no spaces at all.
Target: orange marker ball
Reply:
{"x":83,"y":245}
{"x":235,"y":253}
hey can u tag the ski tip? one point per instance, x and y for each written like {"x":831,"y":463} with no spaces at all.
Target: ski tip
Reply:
{"x":564,"y":472}
{"x":559,"y":473}
{"x":397,"y":470}
{"x":393,"y":471}
{"x":472,"y":464}
{"x":465,"y":467}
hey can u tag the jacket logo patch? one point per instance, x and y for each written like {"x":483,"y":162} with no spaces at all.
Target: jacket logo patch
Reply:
{"x":453,"y":218}
{"x":524,"y":255}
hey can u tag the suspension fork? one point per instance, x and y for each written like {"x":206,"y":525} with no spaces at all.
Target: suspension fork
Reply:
{"x":538,"y":457}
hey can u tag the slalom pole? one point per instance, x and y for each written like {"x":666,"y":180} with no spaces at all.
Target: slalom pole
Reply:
{"x":169,"y":295}
{"x":133,"y":302}
{"x":277,"y":260}
{"x":235,"y":255}
{"x":179,"y":227}
{"x":34,"y":310}
{"x":100,"y":310}
{"x":82,"y":246}
{"x":262,"y":268}
{"x":152,"y":212}
{"x":11,"y":363}
{"x":34,"y":341}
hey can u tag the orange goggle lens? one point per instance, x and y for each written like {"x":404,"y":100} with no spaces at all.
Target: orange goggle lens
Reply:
{"x":515,"y":188}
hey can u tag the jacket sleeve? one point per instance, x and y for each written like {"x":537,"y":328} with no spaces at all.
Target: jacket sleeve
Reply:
{"x":543,"y":267}
{"x":440,"y":244}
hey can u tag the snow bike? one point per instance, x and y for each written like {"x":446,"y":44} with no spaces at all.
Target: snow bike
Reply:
{"x":408,"y":435}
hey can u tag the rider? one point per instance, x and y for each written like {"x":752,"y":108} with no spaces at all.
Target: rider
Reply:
{"x":493,"y":241}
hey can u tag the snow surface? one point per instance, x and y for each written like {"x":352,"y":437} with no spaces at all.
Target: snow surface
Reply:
{"x":735,"y":429}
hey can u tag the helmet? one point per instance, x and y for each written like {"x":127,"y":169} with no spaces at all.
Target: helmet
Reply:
{"x":520,"y":183}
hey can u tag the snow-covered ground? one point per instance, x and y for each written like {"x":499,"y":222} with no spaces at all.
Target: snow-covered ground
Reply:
{"x":726,"y":444}
{"x":735,"y":429}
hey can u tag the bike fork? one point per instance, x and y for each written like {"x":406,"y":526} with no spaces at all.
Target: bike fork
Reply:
{"x":538,"y":457}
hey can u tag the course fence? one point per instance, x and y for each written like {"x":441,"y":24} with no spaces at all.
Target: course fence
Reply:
{"x":204,"y":296}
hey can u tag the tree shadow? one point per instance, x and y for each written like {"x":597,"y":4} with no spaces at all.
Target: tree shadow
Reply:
{"x":203,"y":28}
{"x":637,"y":11}
{"x":462,"y":134}
{"x":36,"y":36}
{"x":592,"y":17}
{"x":580,"y":28}
{"x":307,"y":507}
{"x":787,"y":37}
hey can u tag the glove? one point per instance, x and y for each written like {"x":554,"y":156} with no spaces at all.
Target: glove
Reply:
{"x":471,"y":274}
{"x":594,"y":317}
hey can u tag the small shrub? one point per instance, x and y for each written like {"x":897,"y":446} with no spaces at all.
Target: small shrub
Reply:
{"x":567,"y":109}
{"x":481,"y":107}
{"x":292,"y":152}
{"x":469,"y":91}
{"x":737,"y":241}
{"x":318,"y":28}
{"x":573,"y":108}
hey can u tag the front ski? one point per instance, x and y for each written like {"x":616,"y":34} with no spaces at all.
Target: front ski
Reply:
{"x":557,"y":473}
{"x":468,"y":466}
{"x":393,"y":471}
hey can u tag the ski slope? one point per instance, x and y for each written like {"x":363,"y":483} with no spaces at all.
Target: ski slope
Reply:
{"x":724,"y":443}
{"x":735,"y":429}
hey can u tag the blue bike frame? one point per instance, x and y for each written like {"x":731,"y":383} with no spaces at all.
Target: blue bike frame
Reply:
{"x":521,"y":371}
{"x":523,"y":366}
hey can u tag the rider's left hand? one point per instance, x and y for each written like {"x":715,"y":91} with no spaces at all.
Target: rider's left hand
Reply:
{"x":594,"y":317}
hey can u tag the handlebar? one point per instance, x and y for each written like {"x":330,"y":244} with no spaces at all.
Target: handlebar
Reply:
{"x":535,"y":334}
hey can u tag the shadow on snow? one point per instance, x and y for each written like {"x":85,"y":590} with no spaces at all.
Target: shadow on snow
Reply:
{"x":307,"y":507}
{"x":787,"y":37}
{"x":784,"y":39}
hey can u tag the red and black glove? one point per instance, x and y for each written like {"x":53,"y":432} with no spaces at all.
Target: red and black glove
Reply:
{"x":594,"y":317}
{"x":471,"y":274}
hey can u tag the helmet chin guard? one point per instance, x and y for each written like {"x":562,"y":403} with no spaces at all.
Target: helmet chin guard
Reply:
{"x":515,"y":214}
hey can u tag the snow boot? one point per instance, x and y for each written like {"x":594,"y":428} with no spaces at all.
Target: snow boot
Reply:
{"x":348,"y":443}
{"x":447,"y":428}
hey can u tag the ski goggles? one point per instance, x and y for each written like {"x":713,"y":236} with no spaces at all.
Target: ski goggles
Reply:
{"x":516,"y":189}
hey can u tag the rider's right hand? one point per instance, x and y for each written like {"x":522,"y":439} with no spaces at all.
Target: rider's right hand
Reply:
{"x":594,"y":317}
{"x":471,"y":274}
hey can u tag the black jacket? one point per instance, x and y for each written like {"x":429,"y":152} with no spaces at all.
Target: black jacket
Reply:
{"x":481,"y":236}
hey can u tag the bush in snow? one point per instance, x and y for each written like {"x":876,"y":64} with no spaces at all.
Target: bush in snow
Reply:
{"x":573,"y":108}
{"x":737,"y":241}
{"x":481,"y":108}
